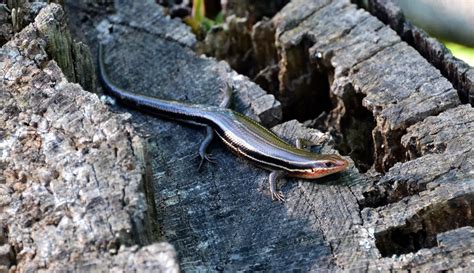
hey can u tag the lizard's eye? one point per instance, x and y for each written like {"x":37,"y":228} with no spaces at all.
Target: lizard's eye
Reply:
{"x":329,"y":164}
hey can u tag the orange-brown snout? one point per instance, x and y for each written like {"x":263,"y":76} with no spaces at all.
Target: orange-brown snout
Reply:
{"x":329,"y":166}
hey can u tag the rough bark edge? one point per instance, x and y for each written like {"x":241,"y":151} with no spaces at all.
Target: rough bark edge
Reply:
{"x":21,"y":52}
{"x":460,"y":74}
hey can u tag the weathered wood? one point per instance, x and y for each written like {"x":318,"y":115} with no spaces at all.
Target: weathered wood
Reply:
{"x":71,"y":185}
{"x":438,"y":181}
{"x":460,"y":74}
{"x":444,"y":143}
{"x":206,"y":215}
{"x":74,"y":58}
{"x":15,"y":15}
{"x":400,"y":88}
{"x":222,"y":218}
{"x":364,"y":57}
{"x":231,"y":42}
{"x":6,"y":27}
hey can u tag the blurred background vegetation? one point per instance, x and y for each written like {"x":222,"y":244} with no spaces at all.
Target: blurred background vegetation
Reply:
{"x":451,"y":21}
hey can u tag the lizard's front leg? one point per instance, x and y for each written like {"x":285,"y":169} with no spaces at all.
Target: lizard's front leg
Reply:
{"x":203,"y":148}
{"x":225,"y":103}
{"x":273,"y":179}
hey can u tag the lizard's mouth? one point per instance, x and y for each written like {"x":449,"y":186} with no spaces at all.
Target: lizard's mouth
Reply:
{"x":327,"y":168}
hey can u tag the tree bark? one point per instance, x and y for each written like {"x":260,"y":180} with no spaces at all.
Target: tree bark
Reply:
{"x":88,"y":186}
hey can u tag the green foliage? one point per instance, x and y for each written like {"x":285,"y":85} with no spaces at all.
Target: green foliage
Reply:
{"x":461,"y":52}
{"x":199,"y":23}
{"x":199,"y":10}
{"x":219,"y":18}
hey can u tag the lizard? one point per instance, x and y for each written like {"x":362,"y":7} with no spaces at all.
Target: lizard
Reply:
{"x":241,"y":134}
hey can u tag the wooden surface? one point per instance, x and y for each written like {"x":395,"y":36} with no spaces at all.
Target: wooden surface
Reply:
{"x":71,"y":182}
{"x":388,"y":107}
{"x":460,"y":74}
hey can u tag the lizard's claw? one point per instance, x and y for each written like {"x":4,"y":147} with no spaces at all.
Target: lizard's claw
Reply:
{"x":208,"y":158}
{"x":278,"y":196}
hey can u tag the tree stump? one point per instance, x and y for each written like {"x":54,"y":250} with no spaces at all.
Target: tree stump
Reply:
{"x":120,"y":180}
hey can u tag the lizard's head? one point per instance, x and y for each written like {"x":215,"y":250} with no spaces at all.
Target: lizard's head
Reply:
{"x":322,"y":166}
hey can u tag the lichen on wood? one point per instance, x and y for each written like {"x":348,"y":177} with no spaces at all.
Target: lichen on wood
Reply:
{"x":71,"y":193}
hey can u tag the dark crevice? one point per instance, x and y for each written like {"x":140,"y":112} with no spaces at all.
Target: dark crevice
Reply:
{"x":8,"y":259}
{"x":453,"y":69}
{"x":246,"y":38}
{"x":421,"y":230}
{"x":148,"y":231}
{"x":151,"y":226}
{"x":231,"y":42}
{"x":304,"y":88}
{"x":350,"y":123}
{"x":356,"y":133}
{"x":388,"y":149}
{"x":387,"y":193}
{"x":374,"y":197}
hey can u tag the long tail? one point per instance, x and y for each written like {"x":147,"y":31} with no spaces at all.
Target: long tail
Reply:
{"x":165,"y":108}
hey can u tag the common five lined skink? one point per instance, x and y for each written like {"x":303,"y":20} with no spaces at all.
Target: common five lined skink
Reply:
{"x":241,"y":134}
